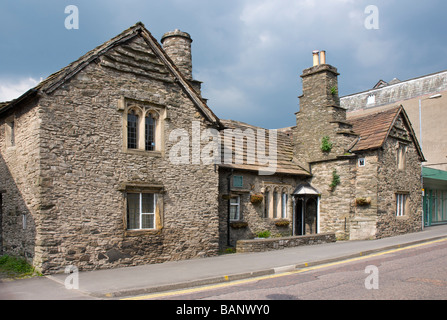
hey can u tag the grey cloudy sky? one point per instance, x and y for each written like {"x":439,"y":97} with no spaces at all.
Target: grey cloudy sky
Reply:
{"x":248,"y":53}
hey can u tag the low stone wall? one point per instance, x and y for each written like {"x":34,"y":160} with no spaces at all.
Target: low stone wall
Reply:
{"x":260,"y":245}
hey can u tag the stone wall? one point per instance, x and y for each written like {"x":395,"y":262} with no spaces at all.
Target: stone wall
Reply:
{"x":84,"y":165}
{"x":391,"y":180}
{"x":20,"y":181}
{"x":363,"y":223}
{"x":253,"y":214}
{"x":262,"y":245}
{"x":336,"y":205}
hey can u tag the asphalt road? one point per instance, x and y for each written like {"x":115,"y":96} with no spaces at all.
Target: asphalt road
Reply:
{"x":416,"y":273}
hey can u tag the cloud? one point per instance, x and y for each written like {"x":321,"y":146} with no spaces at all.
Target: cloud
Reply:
{"x":13,"y":88}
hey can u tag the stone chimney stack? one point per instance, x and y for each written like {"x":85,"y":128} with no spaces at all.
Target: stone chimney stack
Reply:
{"x":321,"y":115}
{"x":177,"y":45}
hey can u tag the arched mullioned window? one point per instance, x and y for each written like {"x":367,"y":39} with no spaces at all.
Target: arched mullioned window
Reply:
{"x":266,"y":203}
{"x":150,"y":130}
{"x":275,"y":203}
{"x":132,"y":129}
{"x":284,"y":200}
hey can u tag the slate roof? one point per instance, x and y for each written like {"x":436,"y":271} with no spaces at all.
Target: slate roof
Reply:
{"x":58,"y":78}
{"x":374,"y":128}
{"x":3,"y":104}
{"x":286,"y":163}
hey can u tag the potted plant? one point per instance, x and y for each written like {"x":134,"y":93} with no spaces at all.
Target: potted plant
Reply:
{"x":239,"y":224}
{"x":256,"y":198}
{"x":282,"y":223}
{"x":361,"y":202}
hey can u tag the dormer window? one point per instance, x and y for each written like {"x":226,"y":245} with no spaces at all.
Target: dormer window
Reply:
{"x":371,"y":99}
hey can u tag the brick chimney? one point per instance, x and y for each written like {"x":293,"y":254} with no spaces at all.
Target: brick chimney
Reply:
{"x":320,"y":114}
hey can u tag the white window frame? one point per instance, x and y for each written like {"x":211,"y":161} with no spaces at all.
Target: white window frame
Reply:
{"x":401,"y":201}
{"x":145,"y":213}
{"x":237,"y":204}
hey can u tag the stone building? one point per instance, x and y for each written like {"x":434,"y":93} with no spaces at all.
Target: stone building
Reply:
{"x":117,"y":160}
{"x":355,"y":174}
{"x":85,"y":170}
{"x":424,"y":99}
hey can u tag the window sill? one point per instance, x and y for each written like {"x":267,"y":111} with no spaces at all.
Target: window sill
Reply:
{"x":138,"y":233}
{"x":143,"y":152}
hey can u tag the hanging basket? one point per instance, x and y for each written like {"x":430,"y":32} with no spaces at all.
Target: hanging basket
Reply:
{"x":362,"y":202}
{"x":256,"y":198}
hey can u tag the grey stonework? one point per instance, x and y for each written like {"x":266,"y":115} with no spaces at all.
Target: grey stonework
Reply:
{"x":65,"y":180}
{"x":253,"y":213}
{"x":262,"y":245}
{"x":68,"y":167}
{"x":321,"y":116}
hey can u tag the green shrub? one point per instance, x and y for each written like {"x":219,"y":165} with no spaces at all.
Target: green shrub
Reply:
{"x":264,"y":234}
{"x":14,"y":266}
{"x":326,"y":144}
{"x":335,"y":180}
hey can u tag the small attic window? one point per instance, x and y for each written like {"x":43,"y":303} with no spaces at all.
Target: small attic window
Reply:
{"x":238,"y":181}
{"x":371,"y":99}
{"x":362,"y":162}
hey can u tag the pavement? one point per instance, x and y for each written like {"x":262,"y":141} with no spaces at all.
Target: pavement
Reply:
{"x":132,"y":281}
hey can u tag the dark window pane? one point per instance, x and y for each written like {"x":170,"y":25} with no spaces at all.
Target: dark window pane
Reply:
{"x":148,"y":221}
{"x":150,"y":133}
{"x":133,"y":211}
{"x":132,"y":130}
{"x":148,"y":203}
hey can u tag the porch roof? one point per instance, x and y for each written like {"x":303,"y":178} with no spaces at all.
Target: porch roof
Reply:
{"x":306,"y":189}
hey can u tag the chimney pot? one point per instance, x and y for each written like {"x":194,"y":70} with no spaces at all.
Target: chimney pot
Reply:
{"x":315,"y":54}
{"x":323,"y":57}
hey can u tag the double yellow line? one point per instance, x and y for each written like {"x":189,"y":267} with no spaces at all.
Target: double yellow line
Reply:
{"x":282,"y":274}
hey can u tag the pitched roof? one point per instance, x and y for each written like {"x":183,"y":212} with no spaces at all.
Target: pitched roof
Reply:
{"x":58,"y":78}
{"x":375,"y":127}
{"x":285,"y":161}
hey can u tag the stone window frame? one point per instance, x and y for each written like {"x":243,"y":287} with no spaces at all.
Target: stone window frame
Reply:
{"x":401,"y":156}
{"x":143,"y":109}
{"x":10,"y":131}
{"x":269,"y":203}
{"x":158,"y":191}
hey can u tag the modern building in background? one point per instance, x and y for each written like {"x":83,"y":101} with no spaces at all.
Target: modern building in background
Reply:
{"x":425,"y":101}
